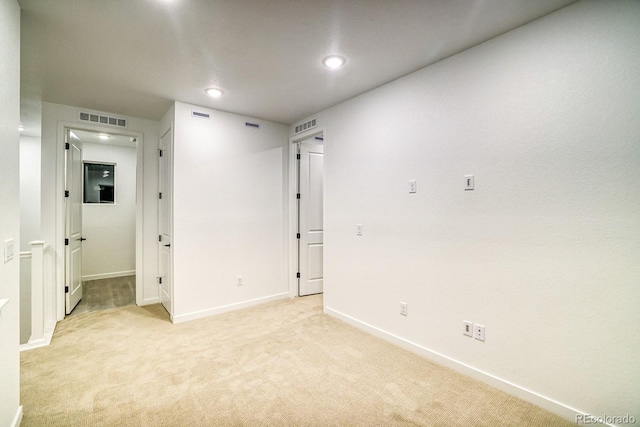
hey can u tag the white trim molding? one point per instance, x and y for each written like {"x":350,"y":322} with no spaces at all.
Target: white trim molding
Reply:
{"x":226,"y":308}
{"x":108,"y":275}
{"x":17,"y":420}
{"x":40,"y":342}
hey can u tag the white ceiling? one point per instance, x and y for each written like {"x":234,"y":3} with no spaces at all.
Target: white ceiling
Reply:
{"x":134,"y":57}
{"x":94,"y":138}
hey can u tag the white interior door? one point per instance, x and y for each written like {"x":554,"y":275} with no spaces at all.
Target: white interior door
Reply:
{"x":165,"y":222}
{"x":73,"y":229}
{"x":310,"y":220}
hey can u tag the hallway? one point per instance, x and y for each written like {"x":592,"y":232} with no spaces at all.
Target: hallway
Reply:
{"x":106,"y":293}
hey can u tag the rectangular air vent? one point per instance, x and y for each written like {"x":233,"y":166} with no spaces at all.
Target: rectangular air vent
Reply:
{"x":306,"y":126}
{"x":199,"y":114}
{"x":252,"y":125}
{"x":102,"y":119}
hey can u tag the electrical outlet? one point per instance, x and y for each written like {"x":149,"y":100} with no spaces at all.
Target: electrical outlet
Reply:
{"x":468,"y":328}
{"x":478,"y":332}
{"x":240,"y":283}
{"x":403,"y":308}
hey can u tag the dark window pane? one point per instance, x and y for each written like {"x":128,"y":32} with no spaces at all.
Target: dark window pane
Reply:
{"x":99,"y":183}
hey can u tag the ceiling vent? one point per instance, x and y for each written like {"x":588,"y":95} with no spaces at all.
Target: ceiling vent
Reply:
{"x":102,"y":119}
{"x":252,"y":125}
{"x":306,"y":126}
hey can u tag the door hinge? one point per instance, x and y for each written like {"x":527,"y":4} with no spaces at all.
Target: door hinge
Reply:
{"x":66,"y":193}
{"x":298,"y":196}
{"x":66,"y":145}
{"x":298,"y":275}
{"x":66,"y":242}
{"x":159,"y":195}
{"x":160,"y":238}
{"x":160,"y":280}
{"x":66,"y":289}
{"x":298,"y":156}
{"x":160,"y":153}
{"x":298,"y":236}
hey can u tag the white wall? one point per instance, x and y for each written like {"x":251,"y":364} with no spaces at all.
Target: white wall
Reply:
{"x":54,"y":118}
{"x":29,"y":223}
{"x":544,"y":252}
{"x":229,"y":212}
{"x":10,"y":410}
{"x":29,"y":191}
{"x":110,"y":229}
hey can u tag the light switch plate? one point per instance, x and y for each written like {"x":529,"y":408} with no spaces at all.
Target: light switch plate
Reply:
{"x":468,"y":183}
{"x":413,"y":187}
{"x":403,"y":308}
{"x":8,"y":250}
{"x":358,"y":229}
{"x":468,"y":328}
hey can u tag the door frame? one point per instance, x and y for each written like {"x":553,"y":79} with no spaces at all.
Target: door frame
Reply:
{"x":61,"y":211}
{"x":69,"y":264}
{"x":169,"y":191}
{"x":291,"y":239}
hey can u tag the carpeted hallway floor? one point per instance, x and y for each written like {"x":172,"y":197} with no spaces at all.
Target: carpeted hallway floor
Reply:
{"x":102,"y":294}
{"x":280,"y":364}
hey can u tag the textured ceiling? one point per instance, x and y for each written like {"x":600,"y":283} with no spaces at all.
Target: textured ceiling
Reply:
{"x":134,"y":57}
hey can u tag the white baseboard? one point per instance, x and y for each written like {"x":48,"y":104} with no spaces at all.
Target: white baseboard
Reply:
{"x":108,"y":275}
{"x":41,"y":342}
{"x":48,"y":333}
{"x":148,"y":301}
{"x":17,"y":420}
{"x":31,"y":344}
{"x":226,"y":308}
{"x":523,"y":393}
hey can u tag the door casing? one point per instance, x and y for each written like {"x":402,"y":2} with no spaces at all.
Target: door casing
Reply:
{"x":292,"y":217}
{"x":73,"y":222}
{"x":310,"y":226}
{"x":60,"y":213}
{"x":165,"y":222}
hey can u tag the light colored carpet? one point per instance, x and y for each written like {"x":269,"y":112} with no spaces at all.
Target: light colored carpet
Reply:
{"x":102,"y":294}
{"x":279,"y":364}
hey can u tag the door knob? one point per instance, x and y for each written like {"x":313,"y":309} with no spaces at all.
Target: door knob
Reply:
{"x":82,"y":239}
{"x":168,"y":245}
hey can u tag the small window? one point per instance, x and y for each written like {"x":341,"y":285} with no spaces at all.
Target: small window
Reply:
{"x":99,"y":182}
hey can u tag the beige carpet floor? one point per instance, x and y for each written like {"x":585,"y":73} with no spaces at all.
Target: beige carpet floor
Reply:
{"x":102,"y":294}
{"x":279,"y":364}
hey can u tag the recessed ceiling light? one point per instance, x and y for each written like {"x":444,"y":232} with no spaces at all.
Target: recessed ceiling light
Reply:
{"x":103,"y":136}
{"x":334,"y":61}
{"x":214,"y":92}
